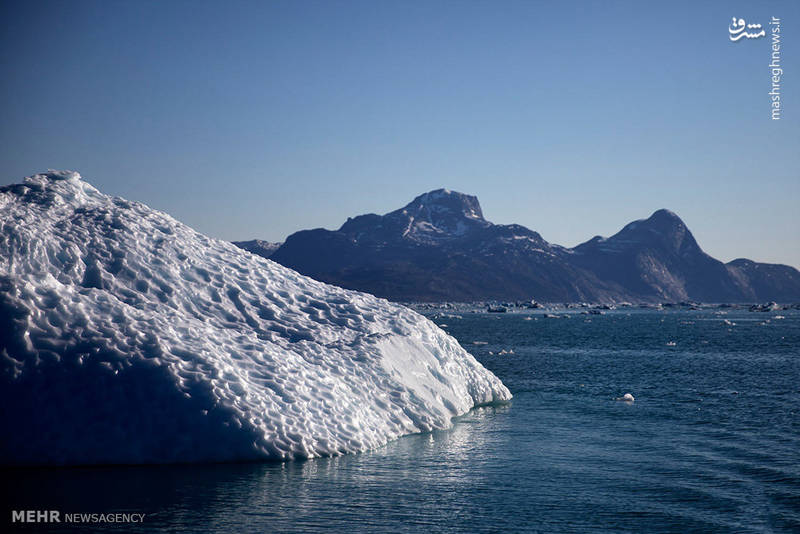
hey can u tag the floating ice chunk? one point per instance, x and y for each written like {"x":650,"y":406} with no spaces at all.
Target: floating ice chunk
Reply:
{"x":127,"y":337}
{"x":626,"y":398}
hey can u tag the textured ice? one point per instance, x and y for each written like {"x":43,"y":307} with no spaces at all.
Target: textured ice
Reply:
{"x":127,"y":337}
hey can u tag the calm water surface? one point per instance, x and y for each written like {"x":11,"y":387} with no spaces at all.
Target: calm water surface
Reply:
{"x":712,"y":443}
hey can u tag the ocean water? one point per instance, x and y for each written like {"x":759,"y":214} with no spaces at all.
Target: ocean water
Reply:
{"x":711,"y":443}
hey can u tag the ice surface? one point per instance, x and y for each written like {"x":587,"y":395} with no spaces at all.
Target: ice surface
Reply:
{"x":127,"y":337}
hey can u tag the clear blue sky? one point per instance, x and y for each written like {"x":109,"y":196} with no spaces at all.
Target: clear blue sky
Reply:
{"x":257,"y":119}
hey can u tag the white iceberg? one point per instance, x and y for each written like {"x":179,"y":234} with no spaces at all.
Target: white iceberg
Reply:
{"x":127,"y":337}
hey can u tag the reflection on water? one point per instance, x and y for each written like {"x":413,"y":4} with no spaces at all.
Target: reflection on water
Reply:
{"x":419,"y":480}
{"x":711,"y":444}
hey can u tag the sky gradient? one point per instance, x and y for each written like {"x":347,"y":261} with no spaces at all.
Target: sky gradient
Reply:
{"x":257,"y":119}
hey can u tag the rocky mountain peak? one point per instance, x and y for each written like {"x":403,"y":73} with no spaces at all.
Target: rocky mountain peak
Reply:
{"x":439,"y":214}
{"x":445,"y":203}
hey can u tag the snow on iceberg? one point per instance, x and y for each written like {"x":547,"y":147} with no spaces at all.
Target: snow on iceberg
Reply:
{"x":127,"y":337}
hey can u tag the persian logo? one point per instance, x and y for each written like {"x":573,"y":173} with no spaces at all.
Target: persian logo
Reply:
{"x":740,"y":29}
{"x":737,"y":30}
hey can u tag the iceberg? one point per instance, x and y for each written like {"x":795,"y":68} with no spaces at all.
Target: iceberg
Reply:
{"x":126,"y":337}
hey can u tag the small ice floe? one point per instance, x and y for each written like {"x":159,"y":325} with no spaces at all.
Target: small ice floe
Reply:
{"x":768,"y":307}
{"x":442,"y":326}
{"x":480,"y":342}
{"x":779,"y":317}
{"x":529,"y":318}
{"x":729,"y":323}
{"x":671,"y":343}
{"x":626,"y":398}
{"x":504,"y":351}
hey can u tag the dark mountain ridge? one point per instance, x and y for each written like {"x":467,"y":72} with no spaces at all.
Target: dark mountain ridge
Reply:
{"x":658,"y":258}
{"x":440,"y":247}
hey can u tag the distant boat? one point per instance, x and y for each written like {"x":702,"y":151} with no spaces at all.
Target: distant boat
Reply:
{"x":496,"y":309}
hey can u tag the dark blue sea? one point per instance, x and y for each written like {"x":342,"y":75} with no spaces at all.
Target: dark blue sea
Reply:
{"x":711,"y":443}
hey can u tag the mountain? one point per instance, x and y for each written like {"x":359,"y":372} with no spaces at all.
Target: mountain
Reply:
{"x":658,"y":258}
{"x":440,"y":247}
{"x":127,"y":337}
{"x":765,"y":281}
